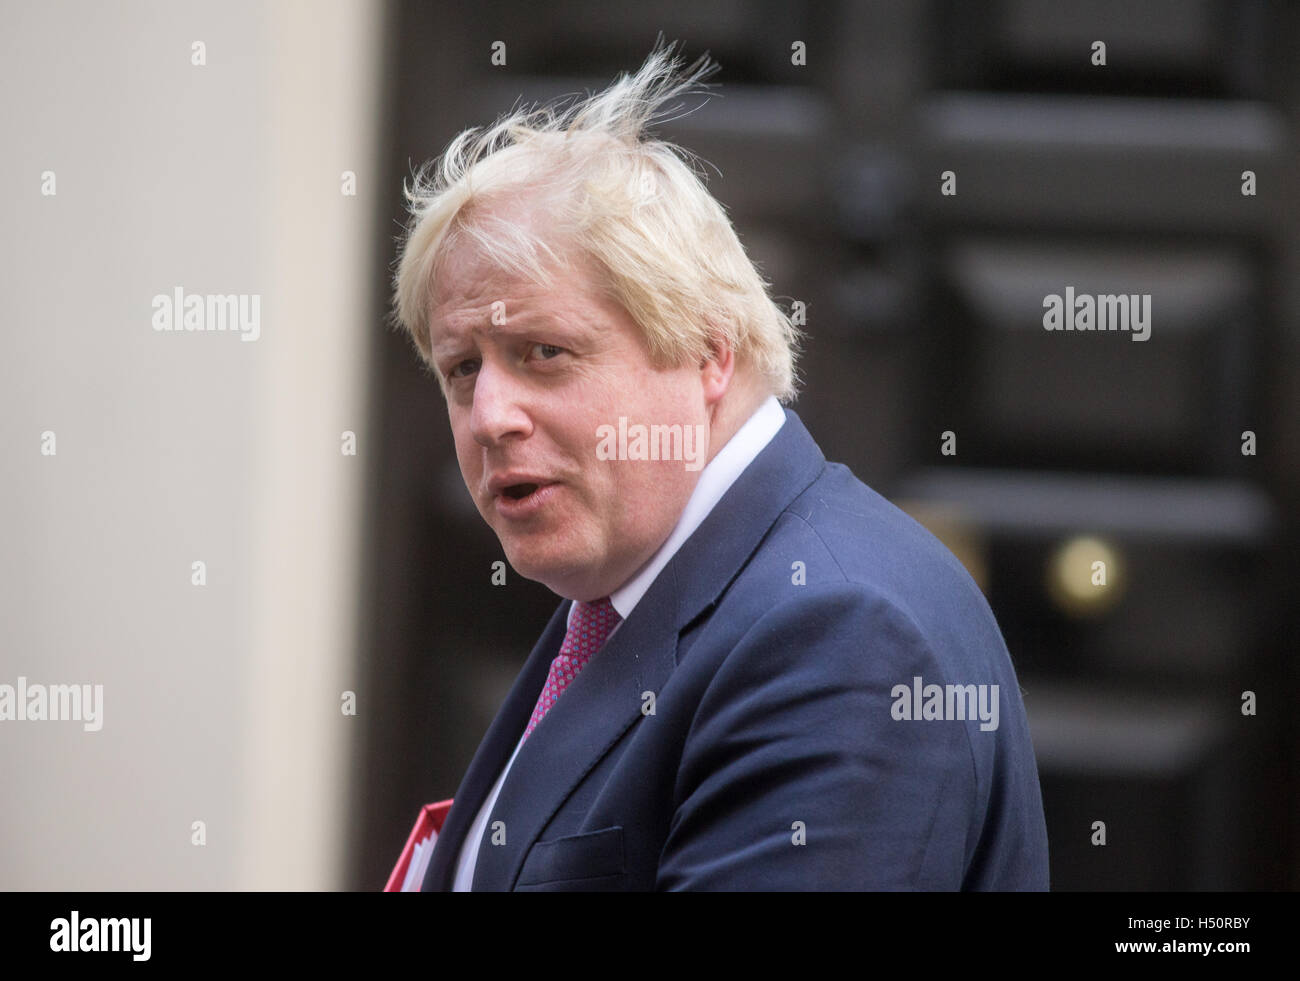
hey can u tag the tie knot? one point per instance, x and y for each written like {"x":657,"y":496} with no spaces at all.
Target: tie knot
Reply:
{"x":590,"y":627}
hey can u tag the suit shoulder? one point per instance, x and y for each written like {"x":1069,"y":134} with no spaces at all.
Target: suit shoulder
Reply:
{"x":839,"y":530}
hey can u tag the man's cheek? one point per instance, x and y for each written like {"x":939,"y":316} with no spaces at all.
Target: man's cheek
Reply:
{"x":469,"y":470}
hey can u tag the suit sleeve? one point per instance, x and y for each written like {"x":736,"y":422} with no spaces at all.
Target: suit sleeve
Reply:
{"x":796,"y":776}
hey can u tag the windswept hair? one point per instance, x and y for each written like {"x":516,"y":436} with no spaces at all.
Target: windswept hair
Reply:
{"x":634,"y":204}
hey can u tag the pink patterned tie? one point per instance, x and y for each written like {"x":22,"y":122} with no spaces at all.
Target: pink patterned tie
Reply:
{"x":590,"y":625}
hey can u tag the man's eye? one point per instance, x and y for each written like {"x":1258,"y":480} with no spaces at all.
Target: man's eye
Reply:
{"x":468,"y":364}
{"x":549,"y":351}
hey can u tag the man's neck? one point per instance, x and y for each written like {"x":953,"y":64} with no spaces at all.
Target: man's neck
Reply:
{"x":732,"y":412}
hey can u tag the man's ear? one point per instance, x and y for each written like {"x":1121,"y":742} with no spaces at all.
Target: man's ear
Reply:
{"x":718,"y":367}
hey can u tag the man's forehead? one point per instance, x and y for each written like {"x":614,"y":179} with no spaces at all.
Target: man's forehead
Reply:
{"x":509,"y":231}
{"x":483,"y":298}
{"x":472,"y":283}
{"x":463,"y":272}
{"x":467,"y":275}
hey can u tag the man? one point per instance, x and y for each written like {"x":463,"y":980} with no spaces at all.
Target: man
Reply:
{"x":739,"y":689}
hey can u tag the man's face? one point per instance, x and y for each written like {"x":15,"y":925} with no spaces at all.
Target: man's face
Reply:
{"x":531,"y":373}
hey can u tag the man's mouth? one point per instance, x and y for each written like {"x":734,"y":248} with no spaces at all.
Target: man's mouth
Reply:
{"x":524,"y":499}
{"x":517,"y":492}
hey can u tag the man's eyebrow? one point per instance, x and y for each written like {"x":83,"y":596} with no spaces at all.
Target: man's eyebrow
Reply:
{"x":532,"y":320}
{"x":545,"y":318}
{"x":567,"y":330}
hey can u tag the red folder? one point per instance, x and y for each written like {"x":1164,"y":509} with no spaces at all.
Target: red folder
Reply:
{"x":430,"y":819}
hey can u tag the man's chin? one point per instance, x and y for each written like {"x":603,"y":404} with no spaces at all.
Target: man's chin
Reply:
{"x":561,"y":577}
{"x":538,"y":567}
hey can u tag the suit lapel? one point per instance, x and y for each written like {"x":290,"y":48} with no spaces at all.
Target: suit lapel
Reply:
{"x":493,"y":753}
{"x":605,"y":699}
{"x":597,"y":708}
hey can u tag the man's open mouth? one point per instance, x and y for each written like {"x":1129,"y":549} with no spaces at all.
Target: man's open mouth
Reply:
{"x":517,"y":492}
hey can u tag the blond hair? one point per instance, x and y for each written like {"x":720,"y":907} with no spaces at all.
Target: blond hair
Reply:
{"x":633,"y":203}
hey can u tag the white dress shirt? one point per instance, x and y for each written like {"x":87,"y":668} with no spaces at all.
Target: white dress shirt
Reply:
{"x":715,"y":480}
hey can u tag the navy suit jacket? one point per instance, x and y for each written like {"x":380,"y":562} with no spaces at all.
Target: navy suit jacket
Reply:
{"x":772,"y":758}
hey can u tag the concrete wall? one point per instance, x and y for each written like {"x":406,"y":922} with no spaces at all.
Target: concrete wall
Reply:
{"x":221,"y":702}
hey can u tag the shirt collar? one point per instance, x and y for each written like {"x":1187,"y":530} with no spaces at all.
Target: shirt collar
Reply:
{"x":715,"y":480}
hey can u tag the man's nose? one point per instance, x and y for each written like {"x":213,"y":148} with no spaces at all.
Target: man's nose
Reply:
{"x":498,"y":410}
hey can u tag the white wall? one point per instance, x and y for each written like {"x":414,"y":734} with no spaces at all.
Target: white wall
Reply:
{"x":221,"y":702}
